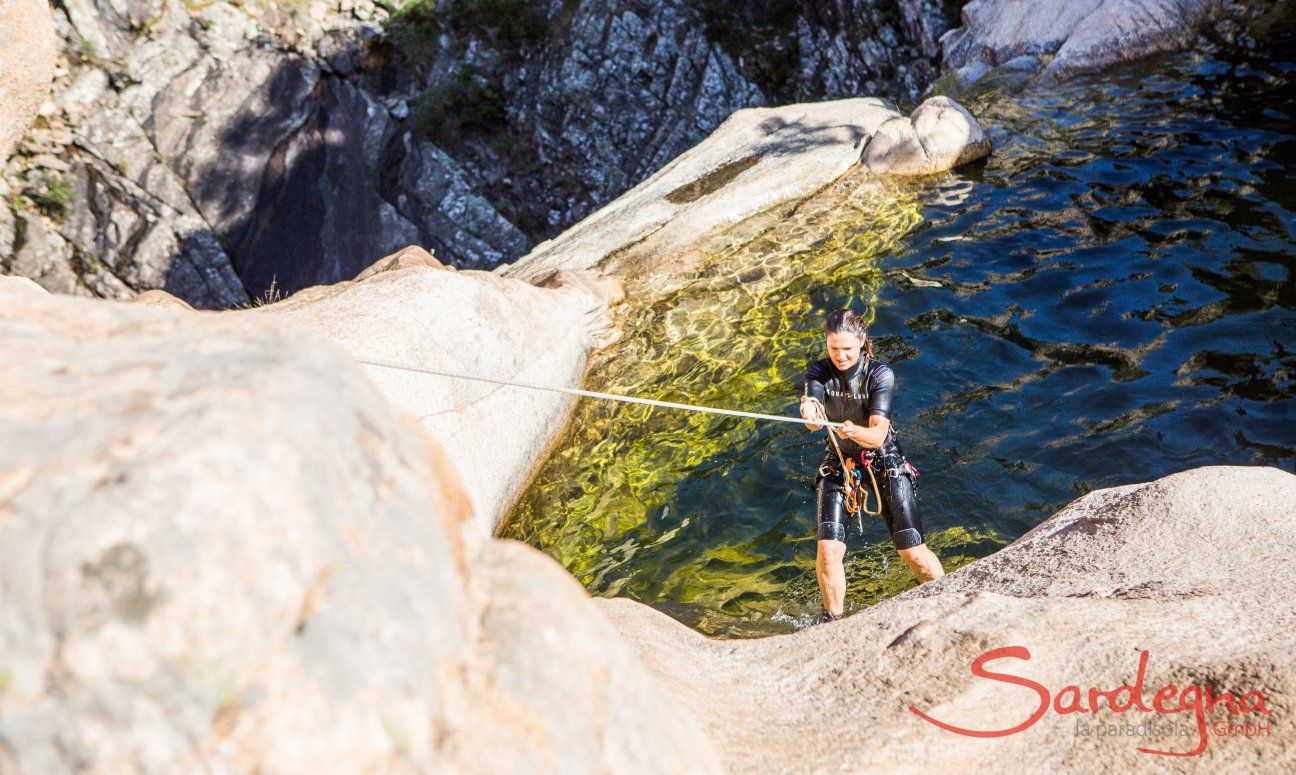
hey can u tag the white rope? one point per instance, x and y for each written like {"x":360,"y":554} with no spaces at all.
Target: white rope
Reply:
{"x":593,"y":394}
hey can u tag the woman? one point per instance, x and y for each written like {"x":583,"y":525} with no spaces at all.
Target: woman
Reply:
{"x":850,"y":386}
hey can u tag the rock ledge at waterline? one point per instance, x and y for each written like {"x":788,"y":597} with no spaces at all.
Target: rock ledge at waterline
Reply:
{"x":1194,"y":568}
{"x":222,"y":549}
{"x":1057,"y":39}
{"x":758,"y":159}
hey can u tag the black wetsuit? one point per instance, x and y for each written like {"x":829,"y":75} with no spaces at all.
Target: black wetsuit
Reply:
{"x":862,"y":390}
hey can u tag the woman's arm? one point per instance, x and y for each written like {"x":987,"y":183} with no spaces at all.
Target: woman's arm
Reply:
{"x":812,"y":395}
{"x":870,"y":437}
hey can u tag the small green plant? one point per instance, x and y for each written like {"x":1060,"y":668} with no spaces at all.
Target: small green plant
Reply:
{"x":82,"y":51}
{"x":507,"y":26}
{"x":51,"y":194}
{"x":86,"y":261}
{"x":467,"y":103}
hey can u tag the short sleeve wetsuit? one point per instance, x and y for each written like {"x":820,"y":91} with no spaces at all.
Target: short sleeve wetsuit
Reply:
{"x":862,"y":390}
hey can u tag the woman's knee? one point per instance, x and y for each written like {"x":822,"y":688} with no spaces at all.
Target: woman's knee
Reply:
{"x":915,"y":554}
{"x":830,"y":551}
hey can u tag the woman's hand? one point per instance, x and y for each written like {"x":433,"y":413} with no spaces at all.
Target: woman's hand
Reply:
{"x":811,"y":410}
{"x":870,"y":437}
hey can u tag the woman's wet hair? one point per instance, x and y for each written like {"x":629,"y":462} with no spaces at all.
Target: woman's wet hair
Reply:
{"x":844,"y":321}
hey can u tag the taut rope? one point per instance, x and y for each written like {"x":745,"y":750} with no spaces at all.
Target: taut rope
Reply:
{"x":595,"y":394}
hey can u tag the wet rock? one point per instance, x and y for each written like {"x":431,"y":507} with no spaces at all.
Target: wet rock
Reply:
{"x":27,"y":55}
{"x":1067,"y":37}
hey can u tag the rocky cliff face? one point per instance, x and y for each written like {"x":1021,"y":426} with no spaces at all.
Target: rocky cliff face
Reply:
{"x":216,"y":151}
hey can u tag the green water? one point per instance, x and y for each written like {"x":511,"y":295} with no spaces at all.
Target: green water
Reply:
{"x":636,"y":501}
{"x":1108,"y":299}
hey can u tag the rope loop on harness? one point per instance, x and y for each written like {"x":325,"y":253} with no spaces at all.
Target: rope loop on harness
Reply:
{"x":851,"y":493}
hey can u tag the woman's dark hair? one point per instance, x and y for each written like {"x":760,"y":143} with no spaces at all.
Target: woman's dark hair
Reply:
{"x":844,"y":321}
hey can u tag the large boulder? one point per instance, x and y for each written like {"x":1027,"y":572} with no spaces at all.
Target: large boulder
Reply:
{"x":1193,"y":568}
{"x":941,"y":134}
{"x":756,"y":160}
{"x":1062,"y":38}
{"x":222,"y":550}
{"x":27,"y":55}
{"x":471,"y":323}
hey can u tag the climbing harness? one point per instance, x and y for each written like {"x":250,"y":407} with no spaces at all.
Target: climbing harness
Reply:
{"x":595,"y":394}
{"x":852,"y":479}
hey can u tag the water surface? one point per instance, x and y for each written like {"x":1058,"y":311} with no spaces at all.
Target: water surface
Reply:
{"x":1107,"y":300}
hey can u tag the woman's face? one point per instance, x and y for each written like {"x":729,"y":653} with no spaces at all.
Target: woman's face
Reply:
{"x":843,"y":349}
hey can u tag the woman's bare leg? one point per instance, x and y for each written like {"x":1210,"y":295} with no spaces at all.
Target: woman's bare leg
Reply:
{"x":922,"y":561}
{"x":831,"y":574}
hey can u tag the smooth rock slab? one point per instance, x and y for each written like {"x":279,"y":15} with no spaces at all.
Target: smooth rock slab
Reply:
{"x":219,"y":547}
{"x":222,"y":550}
{"x":1194,"y":568}
{"x":472,"y":323}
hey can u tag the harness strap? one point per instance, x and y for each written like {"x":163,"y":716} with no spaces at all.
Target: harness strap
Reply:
{"x":851,"y":497}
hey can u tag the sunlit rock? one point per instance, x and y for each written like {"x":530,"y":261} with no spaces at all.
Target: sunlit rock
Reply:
{"x":222,"y":549}
{"x":758,"y":159}
{"x":1168,"y":567}
{"x":941,"y":134}
{"x":469,"y":323}
{"x":27,"y":54}
{"x":1061,"y":38}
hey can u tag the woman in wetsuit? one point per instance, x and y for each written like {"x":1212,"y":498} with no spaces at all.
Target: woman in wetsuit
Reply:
{"x":852,"y":387}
